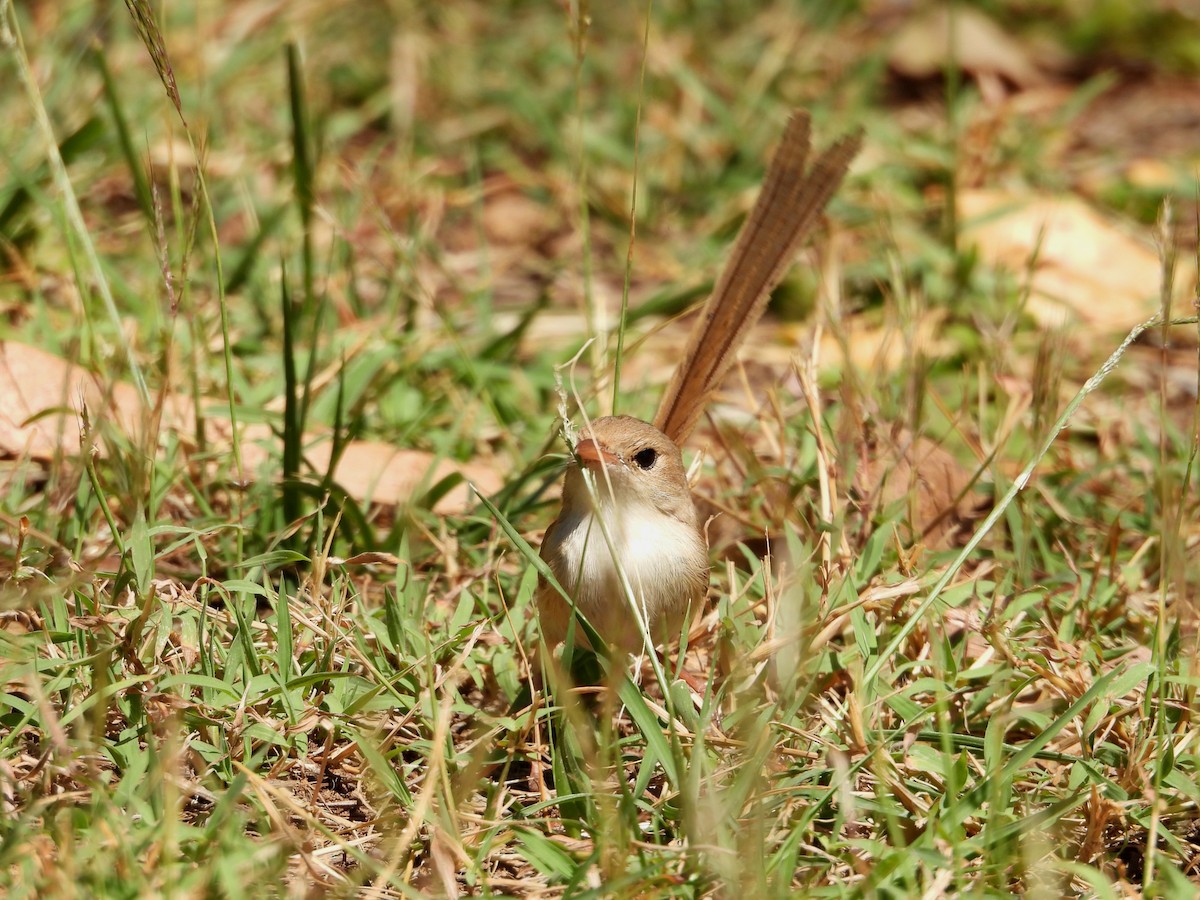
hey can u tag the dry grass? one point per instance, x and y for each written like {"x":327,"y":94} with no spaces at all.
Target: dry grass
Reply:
{"x":230,"y":668}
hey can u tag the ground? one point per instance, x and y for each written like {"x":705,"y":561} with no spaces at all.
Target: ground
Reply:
{"x":293,"y":297}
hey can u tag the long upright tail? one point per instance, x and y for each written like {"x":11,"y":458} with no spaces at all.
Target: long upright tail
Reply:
{"x":787,"y":207}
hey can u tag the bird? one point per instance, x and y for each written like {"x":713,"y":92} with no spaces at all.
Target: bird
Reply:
{"x":627,"y":548}
{"x":639,"y":511}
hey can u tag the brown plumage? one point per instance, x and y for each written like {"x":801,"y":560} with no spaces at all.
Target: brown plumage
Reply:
{"x":640,"y":489}
{"x":641,"y":492}
{"x":787,"y":207}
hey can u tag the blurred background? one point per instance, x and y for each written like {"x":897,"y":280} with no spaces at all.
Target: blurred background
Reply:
{"x":447,"y":197}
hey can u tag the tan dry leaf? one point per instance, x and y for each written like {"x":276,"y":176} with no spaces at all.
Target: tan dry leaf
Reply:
{"x":1088,"y":270}
{"x":883,"y":347}
{"x":1152,"y":174}
{"x":41,"y":397}
{"x":381,"y":473}
{"x":923,"y":48}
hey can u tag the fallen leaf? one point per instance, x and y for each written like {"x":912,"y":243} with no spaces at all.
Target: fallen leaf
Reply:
{"x":1085,"y":267}
{"x":925,"y":47}
{"x":382,"y":473}
{"x":880,"y":346}
{"x":41,"y":398}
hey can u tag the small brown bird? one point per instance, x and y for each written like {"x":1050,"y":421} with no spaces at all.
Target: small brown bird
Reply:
{"x":640,"y":497}
{"x":633,"y":541}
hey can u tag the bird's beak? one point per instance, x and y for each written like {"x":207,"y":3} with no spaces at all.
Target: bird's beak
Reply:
{"x":593,"y":454}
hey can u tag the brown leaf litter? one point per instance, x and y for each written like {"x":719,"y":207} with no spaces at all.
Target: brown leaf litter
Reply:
{"x":42,"y":399}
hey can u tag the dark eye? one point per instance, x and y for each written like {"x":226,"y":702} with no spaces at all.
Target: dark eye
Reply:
{"x":646,"y":458}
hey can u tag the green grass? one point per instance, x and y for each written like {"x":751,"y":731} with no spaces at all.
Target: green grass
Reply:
{"x":226,"y":673}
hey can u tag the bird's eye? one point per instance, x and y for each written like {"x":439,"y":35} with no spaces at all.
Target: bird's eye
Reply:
{"x":646,"y":458}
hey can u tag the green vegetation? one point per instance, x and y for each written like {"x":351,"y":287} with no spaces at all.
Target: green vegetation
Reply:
{"x":287,"y":236}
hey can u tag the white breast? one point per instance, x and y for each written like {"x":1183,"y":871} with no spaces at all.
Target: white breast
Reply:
{"x":653,"y":548}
